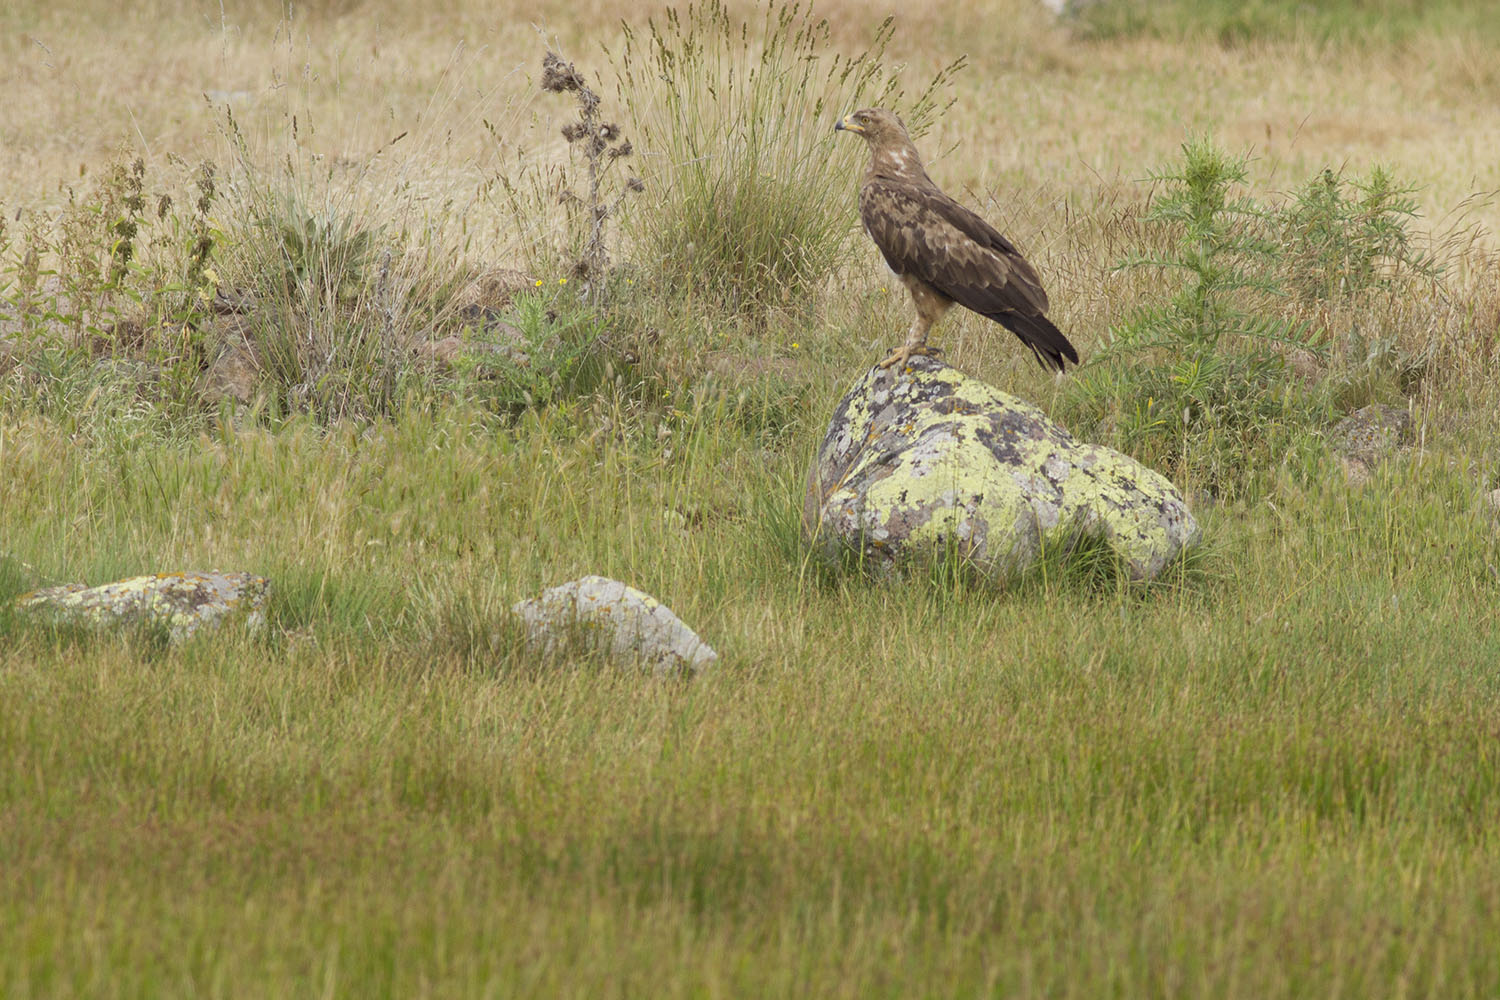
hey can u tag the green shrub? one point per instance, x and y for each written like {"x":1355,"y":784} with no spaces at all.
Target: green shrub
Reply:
{"x":1199,"y":385}
{"x":119,"y":267}
{"x":1340,"y":238}
{"x":1196,"y":386}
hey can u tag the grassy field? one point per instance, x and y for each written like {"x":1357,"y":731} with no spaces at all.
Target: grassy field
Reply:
{"x":1273,"y":773}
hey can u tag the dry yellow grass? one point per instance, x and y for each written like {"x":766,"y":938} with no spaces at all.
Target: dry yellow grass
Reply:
{"x":1037,"y":110}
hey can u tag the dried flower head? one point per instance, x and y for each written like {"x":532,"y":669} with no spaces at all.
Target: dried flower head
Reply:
{"x":558,"y":76}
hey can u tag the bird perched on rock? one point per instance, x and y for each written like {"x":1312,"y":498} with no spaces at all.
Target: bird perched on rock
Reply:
{"x":943,"y":252}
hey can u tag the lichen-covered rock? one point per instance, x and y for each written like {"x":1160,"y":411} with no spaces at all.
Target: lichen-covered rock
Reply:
{"x":1369,"y":435}
{"x":1373,"y":432}
{"x":930,"y":460}
{"x":182,"y":603}
{"x":632,"y":626}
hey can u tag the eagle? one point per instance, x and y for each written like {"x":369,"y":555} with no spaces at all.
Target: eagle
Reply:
{"x":943,"y":252}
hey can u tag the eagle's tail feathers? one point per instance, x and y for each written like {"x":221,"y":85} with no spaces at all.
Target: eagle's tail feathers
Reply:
{"x":1038,"y":333}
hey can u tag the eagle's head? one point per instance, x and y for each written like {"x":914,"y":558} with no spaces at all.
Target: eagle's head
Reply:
{"x":892,"y":154}
{"x":879,"y":126}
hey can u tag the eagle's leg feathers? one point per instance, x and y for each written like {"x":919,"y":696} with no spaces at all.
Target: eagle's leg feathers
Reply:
{"x":930,"y":308}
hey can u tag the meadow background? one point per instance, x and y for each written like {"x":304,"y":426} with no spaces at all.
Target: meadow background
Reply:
{"x":1272,"y":773}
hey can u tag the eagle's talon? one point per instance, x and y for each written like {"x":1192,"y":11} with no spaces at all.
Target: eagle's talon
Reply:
{"x":903,"y":354}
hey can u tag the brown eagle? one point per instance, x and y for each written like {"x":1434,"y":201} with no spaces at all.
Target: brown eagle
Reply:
{"x":943,"y":252}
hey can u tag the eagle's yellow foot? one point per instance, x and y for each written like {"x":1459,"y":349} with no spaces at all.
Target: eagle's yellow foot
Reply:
{"x":903,"y":354}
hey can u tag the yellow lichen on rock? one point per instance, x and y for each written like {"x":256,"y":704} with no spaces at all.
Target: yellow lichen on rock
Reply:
{"x":182,"y":603}
{"x":928,"y":461}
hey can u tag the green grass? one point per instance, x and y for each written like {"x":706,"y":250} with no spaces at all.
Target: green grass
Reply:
{"x":1233,"y":22}
{"x":1274,"y":778}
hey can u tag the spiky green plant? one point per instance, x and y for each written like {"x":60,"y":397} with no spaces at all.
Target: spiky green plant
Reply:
{"x":1342,"y":237}
{"x":1195,"y":385}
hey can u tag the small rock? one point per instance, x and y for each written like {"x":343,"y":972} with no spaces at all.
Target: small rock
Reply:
{"x":632,"y":626}
{"x":487,"y":337}
{"x":1374,"y":432}
{"x":495,"y":289}
{"x":1367,"y":437}
{"x":182,"y":603}
{"x":1357,"y":472}
{"x":235,"y":370}
{"x":232,"y":301}
{"x":1304,"y":364}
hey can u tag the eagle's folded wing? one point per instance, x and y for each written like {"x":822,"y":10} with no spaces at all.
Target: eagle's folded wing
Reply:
{"x":925,"y":234}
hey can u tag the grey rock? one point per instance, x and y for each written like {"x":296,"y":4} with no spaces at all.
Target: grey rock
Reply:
{"x":182,"y":603}
{"x":486,"y":340}
{"x":235,"y":371}
{"x":1369,"y":436}
{"x":927,"y":461}
{"x":631,"y":626}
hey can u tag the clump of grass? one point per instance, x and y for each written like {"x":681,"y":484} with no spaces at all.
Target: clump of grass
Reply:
{"x":338,"y":278}
{"x":751,"y":198}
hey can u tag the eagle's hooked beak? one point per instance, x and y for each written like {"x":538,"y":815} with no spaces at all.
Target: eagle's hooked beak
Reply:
{"x":848,"y":124}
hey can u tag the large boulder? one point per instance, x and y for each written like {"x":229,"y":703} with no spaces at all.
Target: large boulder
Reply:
{"x":929,"y":461}
{"x":181,"y":603}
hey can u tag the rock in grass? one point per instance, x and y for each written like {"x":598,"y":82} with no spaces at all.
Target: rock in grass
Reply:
{"x":1368,"y":436}
{"x":182,"y":603}
{"x":929,"y":461}
{"x":235,"y":370}
{"x":631,"y":626}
